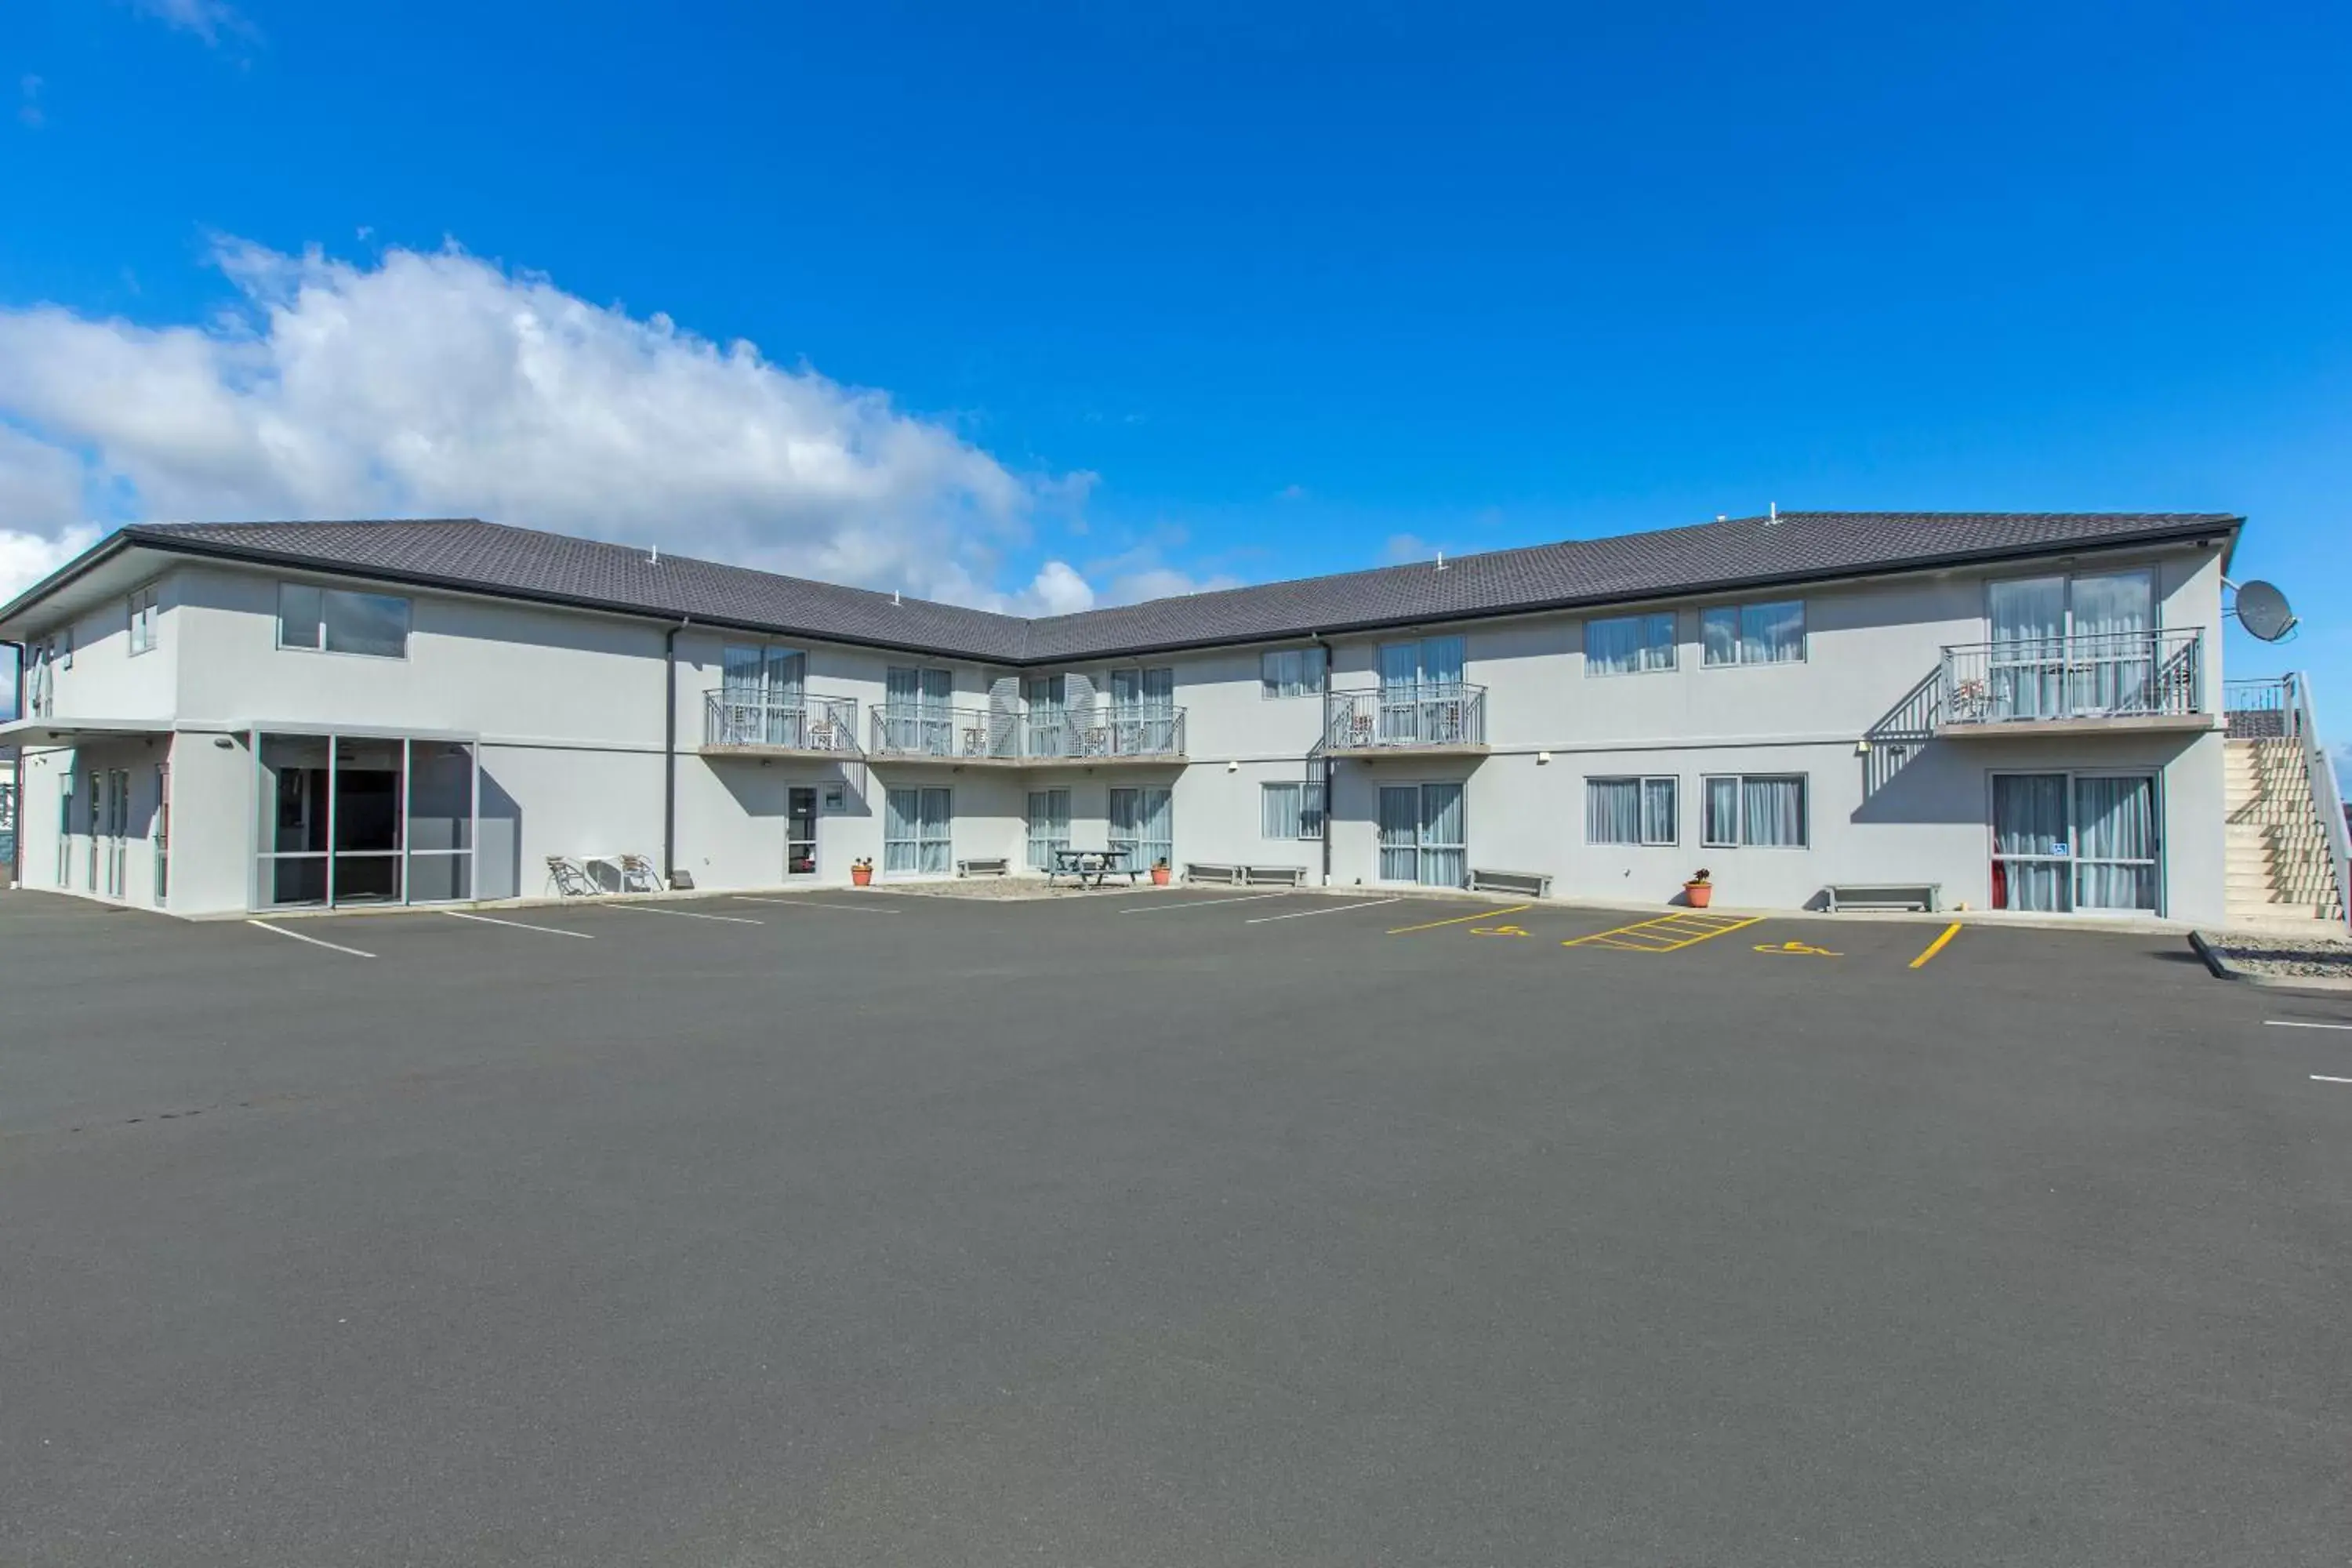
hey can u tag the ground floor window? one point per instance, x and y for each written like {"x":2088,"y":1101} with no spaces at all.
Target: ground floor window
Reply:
{"x":1424,"y":835}
{"x":163,"y":833}
{"x":1630,"y":811}
{"x":1290,"y":810}
{"x":1143,"y":823}
{"x":917,"y":832}
{"x":362,"y":819}
{"x":1049,"y":827}
{"x":1764,"y":811}
{"x":2075,"y":841}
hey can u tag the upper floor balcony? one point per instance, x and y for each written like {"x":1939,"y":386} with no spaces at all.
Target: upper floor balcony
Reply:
{"x":1105,"y":733}
{"x":2058,"y":685}
{"x":1423,"y":719}
{"x":754,"y":723}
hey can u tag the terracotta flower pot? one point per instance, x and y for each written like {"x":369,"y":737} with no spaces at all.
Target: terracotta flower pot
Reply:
{"x":861,"y":875}
{"x":1159,"y":876}
{"x":1698,"y":893}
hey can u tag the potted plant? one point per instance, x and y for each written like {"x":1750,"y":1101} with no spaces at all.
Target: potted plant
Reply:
{"x":1698,"y":890}
{"x":861,"y":873}
{"x":1160,"y":873}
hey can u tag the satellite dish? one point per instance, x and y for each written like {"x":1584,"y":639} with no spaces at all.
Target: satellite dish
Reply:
{"x":2263,"y":610}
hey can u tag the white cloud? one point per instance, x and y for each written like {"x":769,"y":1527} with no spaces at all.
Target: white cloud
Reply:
{"x":1163,"y":582}
{"x":1404,"y":548}
{"x":1058,"y":589}
{"x":208,"y":19}
{"x":437,"y":384}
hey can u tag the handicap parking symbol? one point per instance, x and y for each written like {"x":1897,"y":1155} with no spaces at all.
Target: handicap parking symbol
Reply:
{"x":1500,"y":930}
{"x":1802,"y":950}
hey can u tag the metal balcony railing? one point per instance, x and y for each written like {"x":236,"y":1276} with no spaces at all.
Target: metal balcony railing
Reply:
{"x":751,"y":719}
{"x":1404,"y":716}
{"x":2108,"y":675}
{"x":1103,"y":732}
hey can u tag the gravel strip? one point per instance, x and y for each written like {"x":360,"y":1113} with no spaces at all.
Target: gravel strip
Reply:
{"x":2297,"y":957}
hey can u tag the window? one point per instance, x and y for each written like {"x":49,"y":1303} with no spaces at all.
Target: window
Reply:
{"x":337,"y":620}
{"x":917,"y":826}
{"x":1142,"y":823}
{"x":1760,"y":811}
{"x":916,"y":715}
{"x":144,"y":623}
{"x":760,"y":695}
{"x":1433,"y":661}
{"x":2082,"y":841}
{"x":1290,"y":810}
{"x":1049,"y":827}
{"x":1291,"y":672}
{"x":1630,"y":811}
{"x":1754,"y":634}
{"x":40,"y":686}
{"x":1627,"y":644}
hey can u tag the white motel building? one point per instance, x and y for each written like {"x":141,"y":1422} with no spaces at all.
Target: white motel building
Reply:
{"x":2020,"y":710}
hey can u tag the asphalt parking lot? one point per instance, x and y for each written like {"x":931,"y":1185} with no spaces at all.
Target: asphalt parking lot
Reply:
{"x":1183,"y":1229}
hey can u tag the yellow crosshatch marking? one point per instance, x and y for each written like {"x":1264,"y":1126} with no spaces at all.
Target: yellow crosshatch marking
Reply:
{"x":1464,"y":919}
{"x":1667,"y":934}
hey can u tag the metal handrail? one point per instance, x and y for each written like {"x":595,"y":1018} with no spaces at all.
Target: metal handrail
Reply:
{"x":2104,"y":675}
{"x":921,"y":729}
{"x":1451,"y":714}
{"x":2324,"y":794}
{"x":1103,"y":730}
{"x":756,"y":719}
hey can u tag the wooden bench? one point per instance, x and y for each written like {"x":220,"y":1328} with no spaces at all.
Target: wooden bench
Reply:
{"x":1214,"y":871}
{"x":1274,"y":876}
{"x":1924,"y":896}
{"x":1524,"y":884}
{"x":990,"y":865}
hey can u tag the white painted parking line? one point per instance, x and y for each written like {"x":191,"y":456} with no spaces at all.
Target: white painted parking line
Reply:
{"x":815,"y":904}
{"x":519,"y":925}
{"x":314,"y":941}
{"x":2299,"y":1023}
{"x":2323,"y":1078}
{"x":1335,"y":909}
{"x":1209,"y":903}
{"x":681,"y":914}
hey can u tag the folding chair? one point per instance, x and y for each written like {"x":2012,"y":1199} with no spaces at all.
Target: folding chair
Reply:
{"x":571,"y":879}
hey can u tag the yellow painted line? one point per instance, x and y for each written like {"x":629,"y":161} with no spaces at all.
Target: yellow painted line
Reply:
{"x":1462,"y":920}
{"x":1672,"y":932}
{"x":1936,"y":946}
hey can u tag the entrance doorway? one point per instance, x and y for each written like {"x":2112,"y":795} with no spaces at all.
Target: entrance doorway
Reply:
{"x":2076,"y":841}
{"x":1423,"y":836}
{"x":799,"y":832}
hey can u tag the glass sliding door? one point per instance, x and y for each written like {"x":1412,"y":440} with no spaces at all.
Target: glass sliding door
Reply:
{"x":1423,"y":835}
{"x":367,"y":819}
{"x":1421,"y":691}
{"x":1048,"y":698}
{"x":917,"y":832}
{"x":1049,"y":827}
{"x":916,"y":711}
{"x":2064,"y":842}
{"x":1143,"y":823}
{"x":291,"y":869}
{"x":2028,"y":661}
{"x":1143,"y":711}
{"x":2068,"y":646}
{"x":357,"y":819}
{"x":443,"y":793}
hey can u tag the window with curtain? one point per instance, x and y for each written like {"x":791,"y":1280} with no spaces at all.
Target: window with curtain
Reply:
{"x":1433,"y":661}
{"x":1290,"y":810}
{"x":1142,"y":823}
{"x":916,"y":831}
{"x":1769,"y":633}
{"x":1764,"y":811}
{"x":1291,"y":672}
{"x":1628,"y":645}
{"x":914,"y":709}
{"x":1630,"y":811}
{"x":1049,"y":827}
{"x":2066,"y":644}
{"x":2030,"y":845}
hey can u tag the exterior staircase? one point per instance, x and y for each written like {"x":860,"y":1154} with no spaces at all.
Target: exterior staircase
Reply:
{"x":2280,"y":873}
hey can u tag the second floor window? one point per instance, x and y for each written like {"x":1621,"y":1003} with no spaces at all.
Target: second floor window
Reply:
{"x":1628,"y":645}
{"x":145,"y":612}
{"x":1433,"y":661}
{"x":1771,"y":633}
{"x":337,"y":620}
{"x":1291,"y":672}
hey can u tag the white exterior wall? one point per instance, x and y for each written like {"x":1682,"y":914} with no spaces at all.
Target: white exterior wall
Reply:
{"x":569,"y":710}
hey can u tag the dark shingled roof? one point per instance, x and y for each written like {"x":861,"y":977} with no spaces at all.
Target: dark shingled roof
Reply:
{"x":1743,"y":554}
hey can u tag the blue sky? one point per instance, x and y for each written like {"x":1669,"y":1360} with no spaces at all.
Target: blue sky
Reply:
{"x":1059,"y":305}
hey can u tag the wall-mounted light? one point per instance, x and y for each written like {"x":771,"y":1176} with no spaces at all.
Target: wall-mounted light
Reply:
{"x":1542,"y":758}
{"x":1234,"y":767}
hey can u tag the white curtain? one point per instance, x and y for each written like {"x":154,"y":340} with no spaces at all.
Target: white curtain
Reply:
{"x":1721,"y":826}
{"x":1612,"y":648}
{"x":1613,"y":811}
{"x":1281,"y":810}
{"x":2113,"y":657}
{"x":1400,"y":824}
{"x":1772,"y":634}
{"x":2029,"y":633}
{"x":916,"y":831}
{"x":1773,"y":811}
{"x":1291,"y":672}
{"x":1658,"y":812}
{"x":1049,"y":728}
{"x":1718,"y":634}
{"x":2116,"y":849}
{"x":1049,"y":827}
{"x":1142,"y":823}
{"x":1445,"y":854}
{"x":2029,"y":819}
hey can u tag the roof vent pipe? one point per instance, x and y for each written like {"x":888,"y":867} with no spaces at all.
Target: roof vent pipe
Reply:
{"x":894,"y":600}
{"x":1441,"y":561}
{"x":1775,"y":516}
{"x":653,"y":555}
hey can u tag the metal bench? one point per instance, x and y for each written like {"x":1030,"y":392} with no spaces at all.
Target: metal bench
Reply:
{"x":990,"y":865}
{"x":1214,"y":871}
{"x":1274,"y":876}
{"x":1924,"y":896}
{"x":1525,"y":884}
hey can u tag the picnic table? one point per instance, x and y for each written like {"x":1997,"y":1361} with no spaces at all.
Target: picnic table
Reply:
{"x":1095,"y":864}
